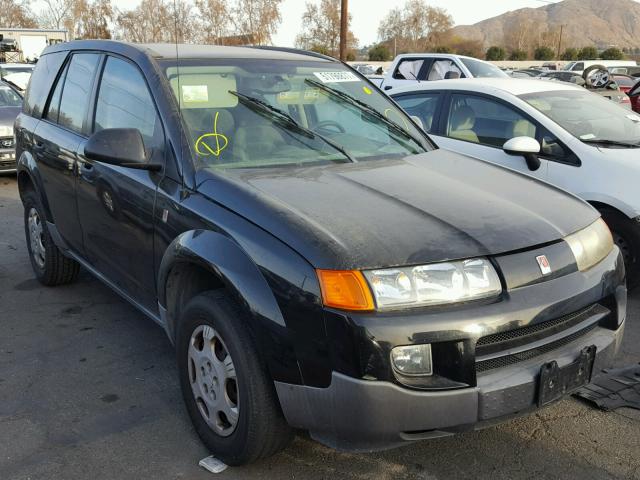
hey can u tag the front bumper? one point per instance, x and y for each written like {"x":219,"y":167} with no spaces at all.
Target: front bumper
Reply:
{"x":370,"y":410}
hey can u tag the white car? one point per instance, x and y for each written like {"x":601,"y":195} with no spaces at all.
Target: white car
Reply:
{"x":556,"y":132}
{"x":579,"y":67}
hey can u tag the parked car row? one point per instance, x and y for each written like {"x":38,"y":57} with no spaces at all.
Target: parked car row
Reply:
{"x":317,"y":260}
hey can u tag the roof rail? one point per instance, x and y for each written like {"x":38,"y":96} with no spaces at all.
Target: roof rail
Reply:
{"x":293,"y":50}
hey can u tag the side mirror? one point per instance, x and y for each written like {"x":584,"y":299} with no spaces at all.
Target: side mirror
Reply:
{"x":528,"y":147}
{"x":119,"y":146}
{"x":450,"y":75}
{"x":418,"y":121}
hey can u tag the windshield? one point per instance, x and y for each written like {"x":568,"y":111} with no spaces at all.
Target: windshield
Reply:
{"x":588,"y":116}
{"x":9,"y":98}
{"x":249,"y":113}
{"x":480,"y":69}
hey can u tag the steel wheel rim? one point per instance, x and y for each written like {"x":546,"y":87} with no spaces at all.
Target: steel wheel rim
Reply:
{"x":36,"y":238}
{"x":213,"y":380}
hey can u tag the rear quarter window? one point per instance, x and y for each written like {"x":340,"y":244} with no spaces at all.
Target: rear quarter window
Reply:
{"x":42,"y":80}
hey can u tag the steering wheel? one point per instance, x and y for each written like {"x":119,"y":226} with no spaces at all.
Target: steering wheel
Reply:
{"x":328,"y":124}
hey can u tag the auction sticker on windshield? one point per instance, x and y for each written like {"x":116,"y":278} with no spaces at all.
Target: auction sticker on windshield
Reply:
{"x":335,"y":77}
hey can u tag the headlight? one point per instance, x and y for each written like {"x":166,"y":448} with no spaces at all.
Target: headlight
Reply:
{"x":6,"y":131}
{"x":591,"y":245}
{"x":434,"y":284}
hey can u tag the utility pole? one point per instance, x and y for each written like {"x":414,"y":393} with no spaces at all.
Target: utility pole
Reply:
{"x":344,"y":21}
{"x":560,"y":42}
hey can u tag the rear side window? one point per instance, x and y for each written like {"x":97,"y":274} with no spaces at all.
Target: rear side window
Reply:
{"x":422,"y":105}
{"x":54,"y":103}
{"x":77,"y":90}
{"x":41,"y":82}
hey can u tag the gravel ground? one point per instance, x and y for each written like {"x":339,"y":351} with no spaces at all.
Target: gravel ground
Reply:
{"x":88,"y":389}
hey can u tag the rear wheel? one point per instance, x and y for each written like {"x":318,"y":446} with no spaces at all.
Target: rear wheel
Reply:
{"x":226,"y":387}
{"x":626,"y":235}
{"x":49,"y":264}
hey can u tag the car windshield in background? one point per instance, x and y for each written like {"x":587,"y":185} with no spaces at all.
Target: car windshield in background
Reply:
{"x":480,"y":69}
{"x":249,"y":113}
{"x":9,"y":98}
{"x":588,"y":116}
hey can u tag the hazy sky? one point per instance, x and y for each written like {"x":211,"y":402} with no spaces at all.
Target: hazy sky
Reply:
{"x":366,"y":14}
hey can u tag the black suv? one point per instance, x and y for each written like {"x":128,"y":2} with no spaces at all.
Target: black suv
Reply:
{"x":316,"y":260}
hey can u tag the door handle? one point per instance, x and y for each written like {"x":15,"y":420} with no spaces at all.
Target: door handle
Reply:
{"x":388,"y":87}
{"x":86,"y":166}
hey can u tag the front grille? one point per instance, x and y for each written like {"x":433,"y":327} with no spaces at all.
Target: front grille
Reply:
{"x":502,"y":341}
{"x":500,"y":362}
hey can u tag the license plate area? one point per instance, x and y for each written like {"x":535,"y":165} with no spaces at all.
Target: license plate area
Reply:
{"x":555,"y":381}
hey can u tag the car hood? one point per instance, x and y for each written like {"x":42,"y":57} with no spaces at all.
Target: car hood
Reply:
{"x":426,"y":208}
{"x":8,"y":115}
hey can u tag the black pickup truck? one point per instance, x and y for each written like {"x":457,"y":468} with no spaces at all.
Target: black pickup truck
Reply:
{"x":316,"y":261}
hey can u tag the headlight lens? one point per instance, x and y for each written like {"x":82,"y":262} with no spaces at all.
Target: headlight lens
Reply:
{"x":6,"y":131}
{"x":434,"y":284}
{"x":591,"y":245}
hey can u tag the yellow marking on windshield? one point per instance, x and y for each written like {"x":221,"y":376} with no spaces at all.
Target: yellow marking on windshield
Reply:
{"x":367,"y":90}
{"x":209,"y":150}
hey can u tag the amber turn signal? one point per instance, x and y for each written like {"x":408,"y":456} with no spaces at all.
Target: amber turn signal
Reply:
{"x":345,"y":289}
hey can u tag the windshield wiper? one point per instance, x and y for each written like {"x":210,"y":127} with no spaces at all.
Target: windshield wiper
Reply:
{"x":365,"y":108}
{"x":286,"y":119}
{"x":611,"y":143}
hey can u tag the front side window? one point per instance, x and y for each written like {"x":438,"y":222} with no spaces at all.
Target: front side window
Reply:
{"x":408,"y":69}
{"x":422,"y":105}
{"x":485,"y":121}
{"x":77,"y":90}
{"x":578,"y":67}
{"x":124,"y":101}
{"x":588,"y":116}
{"x":440,"y":69}
{"x":249,"y":113}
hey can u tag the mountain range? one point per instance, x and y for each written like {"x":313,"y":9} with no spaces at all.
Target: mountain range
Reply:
{"x":603,"y":23}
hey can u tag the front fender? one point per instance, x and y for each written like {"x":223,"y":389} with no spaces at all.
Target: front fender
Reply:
{"x":228,"y":262}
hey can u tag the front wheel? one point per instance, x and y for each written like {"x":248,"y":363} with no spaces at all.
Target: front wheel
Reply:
{"x":626,"y":235}
{"x":226,"y":387}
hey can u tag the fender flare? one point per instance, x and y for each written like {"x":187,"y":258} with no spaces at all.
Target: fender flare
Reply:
{"x":226,"y":260}
{"x":27,"y":165}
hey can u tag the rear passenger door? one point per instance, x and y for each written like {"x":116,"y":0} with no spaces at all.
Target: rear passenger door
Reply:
{"x":56,"y":141}
{"x":115,"y":204}
{"x":479,"y":126}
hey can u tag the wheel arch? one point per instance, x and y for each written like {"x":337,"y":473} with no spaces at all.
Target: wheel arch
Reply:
{"x":29,"y":179}
{"x":200,"y":260}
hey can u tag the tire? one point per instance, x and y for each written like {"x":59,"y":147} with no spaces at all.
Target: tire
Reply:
{"x":49,"y":264}
{"x":626,"y":235}
{"x":587,"y":73}
{"x":257,"y":428}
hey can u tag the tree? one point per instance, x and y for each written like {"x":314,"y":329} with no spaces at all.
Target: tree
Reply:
{"x":16,"y":14}
{"x":379,"y":53}
{"x":215,"y":21}
{"x":588,"y":53}
{"x":522,"y":35}
{"x":570,"y":54}
{"x":543,"y":53}
{"x":416,"y":27}
{"x":149,"y":22}
{"x":321,"y":27}
{"x":256,"y":19}
{"x":443,"y":49}
{"x":496,"y":54}
{"x":518,"y":55}
{"x":612,"y":54}
{"x":56,"y":13}
{"x":92,"y":19}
